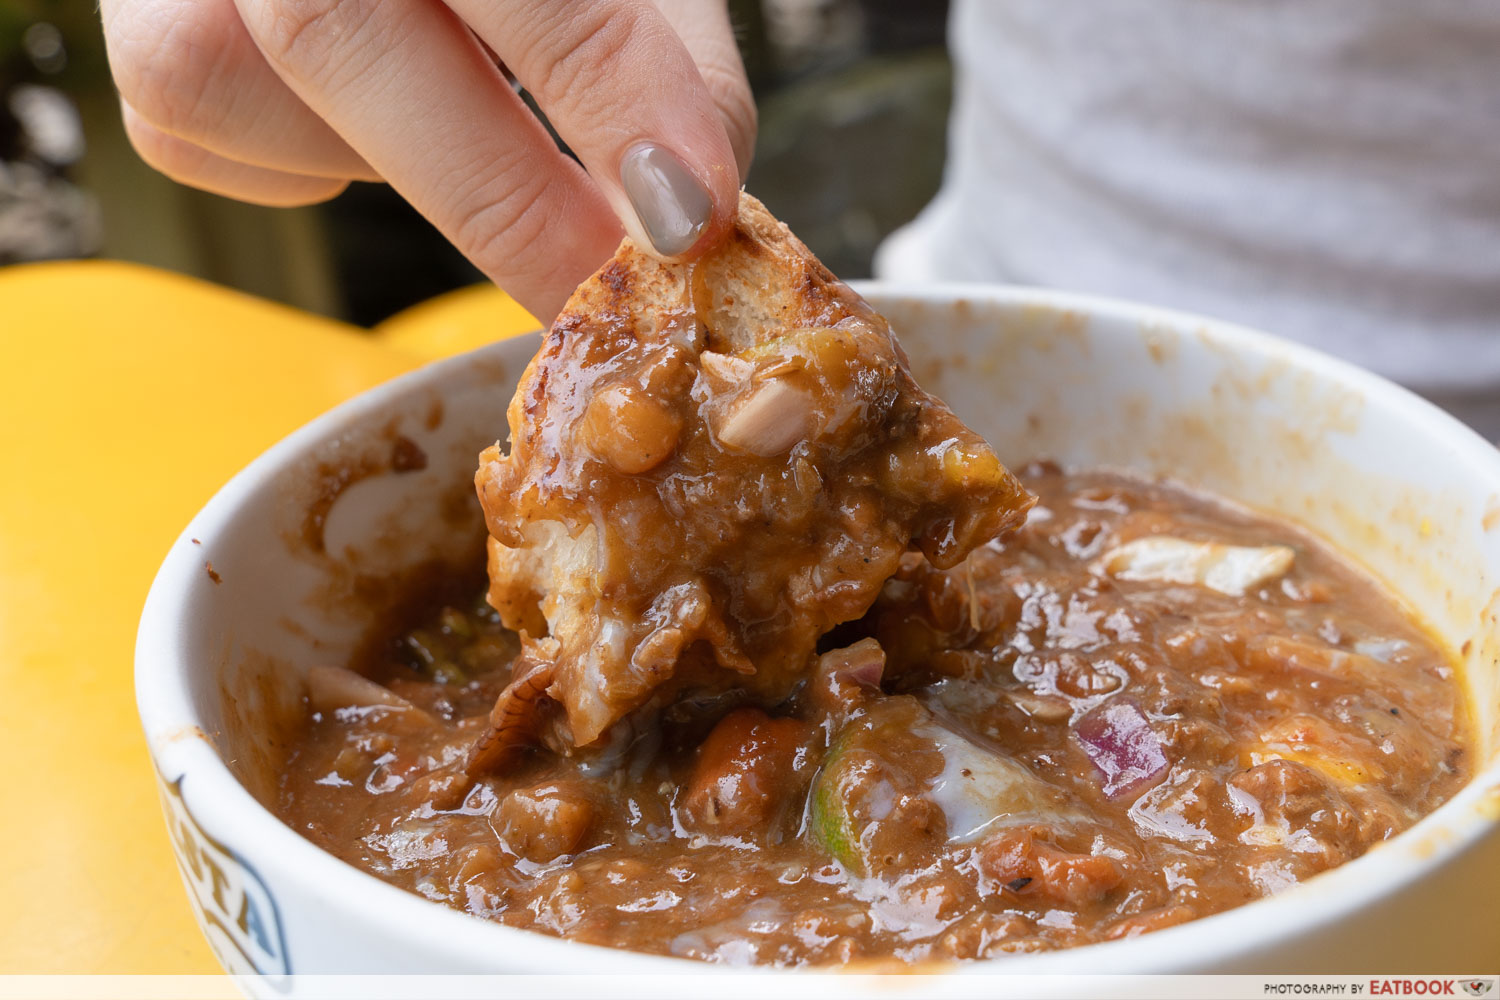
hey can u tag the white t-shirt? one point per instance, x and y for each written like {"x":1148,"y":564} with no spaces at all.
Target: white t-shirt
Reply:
{"x":1328,"y":171}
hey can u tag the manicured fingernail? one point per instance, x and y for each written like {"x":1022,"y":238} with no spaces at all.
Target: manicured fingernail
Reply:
{"x":672,"y":206}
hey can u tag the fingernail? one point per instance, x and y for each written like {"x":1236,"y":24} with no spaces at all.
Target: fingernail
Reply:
{"x":673,"y":207}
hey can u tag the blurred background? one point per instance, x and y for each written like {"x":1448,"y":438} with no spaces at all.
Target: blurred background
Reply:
{"x":841,"y":84}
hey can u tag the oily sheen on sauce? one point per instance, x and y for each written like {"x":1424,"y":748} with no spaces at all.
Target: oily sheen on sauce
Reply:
{"x":1143,"y":707}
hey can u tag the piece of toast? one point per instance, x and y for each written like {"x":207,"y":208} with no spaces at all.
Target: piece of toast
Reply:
{"x":711,"y":465}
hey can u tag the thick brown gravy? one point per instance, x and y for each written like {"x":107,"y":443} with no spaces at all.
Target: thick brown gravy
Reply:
{"x":1142,"y":708}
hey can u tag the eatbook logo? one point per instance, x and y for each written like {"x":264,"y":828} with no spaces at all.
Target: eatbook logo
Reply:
{"x":238,"y":913}
{"x":1478,"y":987}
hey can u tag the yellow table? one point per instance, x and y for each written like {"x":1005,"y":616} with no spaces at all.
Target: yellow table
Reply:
{"x":127,"y":397}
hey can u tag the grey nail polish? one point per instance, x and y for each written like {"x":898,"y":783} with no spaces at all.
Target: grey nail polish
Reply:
{"x":671,"y":204}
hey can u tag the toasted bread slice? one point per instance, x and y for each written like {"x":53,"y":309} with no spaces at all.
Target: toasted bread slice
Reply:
{"x":711,"y":465}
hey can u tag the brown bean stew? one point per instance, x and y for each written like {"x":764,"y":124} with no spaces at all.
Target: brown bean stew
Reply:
{"x":1142,"y":708}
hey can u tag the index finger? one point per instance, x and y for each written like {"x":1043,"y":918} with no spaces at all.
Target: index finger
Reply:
{"x":624,"y":93}
{"x":412,"y":91}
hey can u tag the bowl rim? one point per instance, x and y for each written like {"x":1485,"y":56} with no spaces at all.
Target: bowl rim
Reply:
{"x":162,"y":688}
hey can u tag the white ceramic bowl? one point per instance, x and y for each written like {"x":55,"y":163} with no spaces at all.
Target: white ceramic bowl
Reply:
{"x":1387,"y":478}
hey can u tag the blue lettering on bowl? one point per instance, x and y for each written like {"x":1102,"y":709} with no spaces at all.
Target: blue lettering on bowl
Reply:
{"x":234,"y":905}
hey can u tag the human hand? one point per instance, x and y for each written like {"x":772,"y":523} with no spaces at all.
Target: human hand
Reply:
{"x":283,"y":102}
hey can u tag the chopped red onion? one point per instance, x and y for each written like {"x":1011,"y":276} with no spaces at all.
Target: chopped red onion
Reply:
{"x":863,"y":663}
{"x":866,"y":673}
{"x":1122,"y":745}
